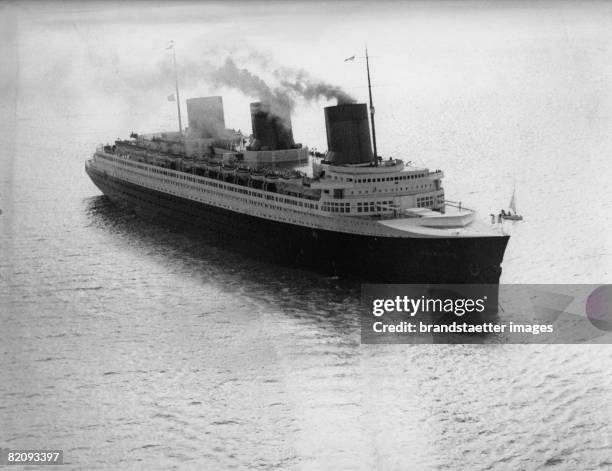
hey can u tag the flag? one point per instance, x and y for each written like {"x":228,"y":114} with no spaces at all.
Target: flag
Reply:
{"x":352,"y":58}
{"x":171,"y":97}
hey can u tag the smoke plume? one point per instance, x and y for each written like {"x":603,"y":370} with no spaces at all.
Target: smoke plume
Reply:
{"x":230,"y":75}
{"x":242,"y":68}
{"x":291,"y":84}
{"x":314,"y":90}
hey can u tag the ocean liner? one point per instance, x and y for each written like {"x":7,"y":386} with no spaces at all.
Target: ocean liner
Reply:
{"x":353,"y":213}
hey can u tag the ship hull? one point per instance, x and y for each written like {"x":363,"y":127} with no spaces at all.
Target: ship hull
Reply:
{"x":365,"y":258}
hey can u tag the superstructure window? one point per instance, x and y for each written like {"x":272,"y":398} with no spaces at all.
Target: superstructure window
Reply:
{"x":425,"y":201}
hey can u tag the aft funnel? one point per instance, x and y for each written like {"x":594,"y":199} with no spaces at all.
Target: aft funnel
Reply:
{"x":348,"y":134}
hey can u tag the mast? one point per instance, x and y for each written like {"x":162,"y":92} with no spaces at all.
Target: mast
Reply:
{"x":513,"y":199}
{"x":371,"y":108}
{"x":178,"y":98}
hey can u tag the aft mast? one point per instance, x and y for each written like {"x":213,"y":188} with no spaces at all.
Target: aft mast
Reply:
{"x":371,"y":108}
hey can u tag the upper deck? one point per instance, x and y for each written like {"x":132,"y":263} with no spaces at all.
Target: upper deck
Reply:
{"x":294,"y":200}
{"x":368,"y":191}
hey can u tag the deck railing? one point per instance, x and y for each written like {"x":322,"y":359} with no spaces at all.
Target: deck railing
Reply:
{"x":458,"y":205}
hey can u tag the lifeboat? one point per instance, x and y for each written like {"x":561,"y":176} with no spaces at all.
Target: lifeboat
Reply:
{"x":242,"y":173}
{"x":213,"y":167}
{"x":271,"y":177}
{"x":163,"y":160}
{"x":212,"y":164}
{"x":291,"y":177}
{"x":258,"y":175}
{"x":228,"y":171}
{"x":257,"y":179}
{"x":185,"y":164}
{"x":199,"y":167}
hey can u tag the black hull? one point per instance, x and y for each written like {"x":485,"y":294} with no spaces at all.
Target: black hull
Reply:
{"x":364,"y":258}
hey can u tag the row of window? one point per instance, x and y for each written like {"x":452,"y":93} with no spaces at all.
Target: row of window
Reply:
{"x":237,"y":189}
{"x":410,"y":176}
{"x":336,"y":207}
{"x":285,"y":216}
{"x":425,"y":201}
{"x":234,"y":188}
{"x":392,"y":189}
{"x":372,"y":206}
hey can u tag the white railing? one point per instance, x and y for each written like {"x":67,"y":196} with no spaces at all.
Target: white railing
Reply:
{"x":458,"y":205}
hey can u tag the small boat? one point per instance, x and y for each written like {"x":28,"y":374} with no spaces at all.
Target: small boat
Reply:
{"x":512,"y":215}
{"x":294,"y":177}
{"x":243,"y":172}
{"x":212,"y":164}
{"x":186,"y":164}
{"x":271,"y":177}
{"x":228,"y":170}
{"x":257,"y":174}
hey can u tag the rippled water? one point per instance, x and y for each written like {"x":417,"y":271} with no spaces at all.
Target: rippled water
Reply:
{"x":129,"y":344}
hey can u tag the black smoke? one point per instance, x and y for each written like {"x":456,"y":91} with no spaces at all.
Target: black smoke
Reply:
{"x":290,"y":85}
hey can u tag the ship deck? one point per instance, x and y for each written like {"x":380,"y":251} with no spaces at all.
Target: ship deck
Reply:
{"x":454,"y":222}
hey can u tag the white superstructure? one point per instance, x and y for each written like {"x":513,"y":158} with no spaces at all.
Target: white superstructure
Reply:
{"x":387,"y":200}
